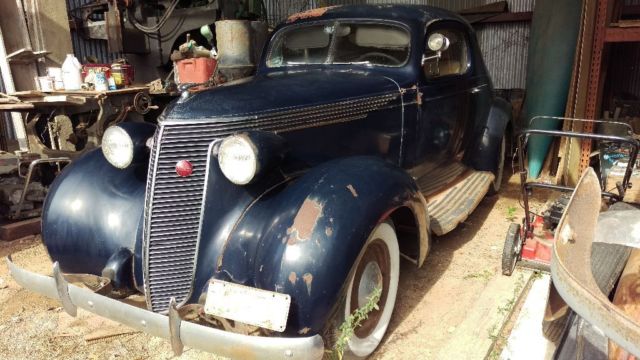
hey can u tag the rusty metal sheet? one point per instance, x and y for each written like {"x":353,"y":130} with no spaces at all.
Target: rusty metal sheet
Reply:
{"x":571,"y":267}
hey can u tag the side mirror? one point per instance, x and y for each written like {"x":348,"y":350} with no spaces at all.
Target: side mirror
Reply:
{"x":437,"y":43}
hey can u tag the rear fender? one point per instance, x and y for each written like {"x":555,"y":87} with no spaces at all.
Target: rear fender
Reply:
{"x":486,"y":150}
{"x":304,"y":239}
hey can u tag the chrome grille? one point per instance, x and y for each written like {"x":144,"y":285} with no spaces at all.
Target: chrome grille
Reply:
{"x":174,"y":204}
{"x":173,"y":219}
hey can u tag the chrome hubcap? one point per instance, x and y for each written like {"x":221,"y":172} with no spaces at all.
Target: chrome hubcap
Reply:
{"x":370,"y":280}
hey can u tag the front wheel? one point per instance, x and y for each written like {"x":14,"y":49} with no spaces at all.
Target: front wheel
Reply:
{"x":511,"y":250}
{"x":377,"y":267}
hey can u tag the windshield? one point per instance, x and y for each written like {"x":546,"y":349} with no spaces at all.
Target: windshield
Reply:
{"x":341,"y":43}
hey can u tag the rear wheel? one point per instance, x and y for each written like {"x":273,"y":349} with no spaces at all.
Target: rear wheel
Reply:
{"x":378,"y":267}
{"x":497,"y":181}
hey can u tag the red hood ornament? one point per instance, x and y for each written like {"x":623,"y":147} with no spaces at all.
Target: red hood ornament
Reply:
{"x":184,"y":168}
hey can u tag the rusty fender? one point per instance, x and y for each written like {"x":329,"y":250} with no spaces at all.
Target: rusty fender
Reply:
{"x":304,"y":239}
{"x":571,"y":267}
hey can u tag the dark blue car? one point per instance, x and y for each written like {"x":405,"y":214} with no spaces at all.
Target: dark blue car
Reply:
{"x":256,"y":216}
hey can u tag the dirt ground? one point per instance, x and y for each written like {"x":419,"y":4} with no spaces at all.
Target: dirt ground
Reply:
{"x":432,"y":301}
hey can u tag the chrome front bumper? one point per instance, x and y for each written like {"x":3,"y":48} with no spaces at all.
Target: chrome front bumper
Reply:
{"x":235,"y":346}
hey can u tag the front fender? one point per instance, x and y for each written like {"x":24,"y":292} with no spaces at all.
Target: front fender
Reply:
{"x":304,"y":239}
{"x":93,"y":214}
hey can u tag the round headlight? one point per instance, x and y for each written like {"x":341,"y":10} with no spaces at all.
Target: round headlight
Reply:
{"x":238,"y":159}
{"x":117,"y":147}
{"x":437,"y":42}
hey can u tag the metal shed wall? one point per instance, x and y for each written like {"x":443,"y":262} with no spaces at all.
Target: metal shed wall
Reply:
{"x":504,"y":46}
{"x":85,"y":47}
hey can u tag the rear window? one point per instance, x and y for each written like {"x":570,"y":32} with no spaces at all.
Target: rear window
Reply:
{"x":341,"y":43}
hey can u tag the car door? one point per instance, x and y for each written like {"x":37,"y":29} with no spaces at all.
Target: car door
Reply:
{"x":446,"y":96}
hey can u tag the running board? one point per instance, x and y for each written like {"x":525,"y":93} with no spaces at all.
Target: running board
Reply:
{"x":452,"y":206}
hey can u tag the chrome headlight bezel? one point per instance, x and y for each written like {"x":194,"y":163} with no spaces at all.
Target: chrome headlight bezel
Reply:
{"x":118,"y":147}
{"x":238,"y":159}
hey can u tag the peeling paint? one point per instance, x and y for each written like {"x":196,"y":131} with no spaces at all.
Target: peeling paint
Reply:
{"x":304,"y":331}
{"x":328,"y":230}
{"x":353,"y":190}
{"x":309,"y":14}
{"x":305,"y":221}
{"x":293,"y":277}
{"x":308,"y":279}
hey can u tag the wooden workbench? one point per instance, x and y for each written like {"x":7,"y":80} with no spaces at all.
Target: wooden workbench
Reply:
{"x":33,"y":99}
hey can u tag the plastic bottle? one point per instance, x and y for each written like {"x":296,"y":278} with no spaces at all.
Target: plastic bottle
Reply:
{"x":100,"y":82}
{"x":112,"y":83}
{"x":71,"y":73}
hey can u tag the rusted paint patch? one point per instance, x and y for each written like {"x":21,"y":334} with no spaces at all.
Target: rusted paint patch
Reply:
{"x":219,"y":262}
{"x":328,"y":230}
{"x":309,"y":13}
{"x":353,"y":190}
{"x":293,"y":277}
{"x":308,"y":279}
{"x":305,"y":221}
{"x":304,"y":331}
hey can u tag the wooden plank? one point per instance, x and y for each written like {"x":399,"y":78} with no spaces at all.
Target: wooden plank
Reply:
{"x":508,"y":17}
{"x":527,"y":336}
{"x":67,"y":99}
{"x":93,"y":93}
{"x":495,"y":7}
{"x":475,"y":336}
{"x":27,"y":93}
{"x":622,"y":34}
{"x":569,"y":166}
{"x":16,"y":107}
{"x":626,"y":23}
{"x":596,"y":75}
{"x":20,"y":229}
{"x":26,"y":56}
{"x":632,"y":195}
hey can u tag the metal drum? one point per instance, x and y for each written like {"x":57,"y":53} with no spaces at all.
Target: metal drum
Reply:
{"x":238,"y":48}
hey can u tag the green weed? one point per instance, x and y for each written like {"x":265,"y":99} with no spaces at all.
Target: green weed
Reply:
{"x":352,"y":322}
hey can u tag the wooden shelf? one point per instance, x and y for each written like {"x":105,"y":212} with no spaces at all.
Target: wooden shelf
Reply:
{"x":622,"y":34}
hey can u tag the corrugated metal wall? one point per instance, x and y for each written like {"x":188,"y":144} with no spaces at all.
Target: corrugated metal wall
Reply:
{"x":624,"y":70}
{"x":504,"y":46}
{"x":85,"y":47}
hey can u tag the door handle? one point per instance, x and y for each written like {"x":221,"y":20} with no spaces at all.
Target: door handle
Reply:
{"x":476,"y":90}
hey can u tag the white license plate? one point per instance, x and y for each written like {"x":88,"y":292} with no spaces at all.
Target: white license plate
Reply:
{"x":248,"y":305}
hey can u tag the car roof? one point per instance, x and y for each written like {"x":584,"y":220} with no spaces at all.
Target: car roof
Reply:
{"x":409,"y":14}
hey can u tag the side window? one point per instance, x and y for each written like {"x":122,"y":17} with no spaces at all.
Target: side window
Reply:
{"x":453,"y":59}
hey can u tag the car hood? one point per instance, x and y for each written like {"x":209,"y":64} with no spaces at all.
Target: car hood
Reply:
{"x":276,"y":92}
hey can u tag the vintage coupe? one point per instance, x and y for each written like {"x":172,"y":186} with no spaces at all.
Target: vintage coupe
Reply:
{"x":257,"y":215}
